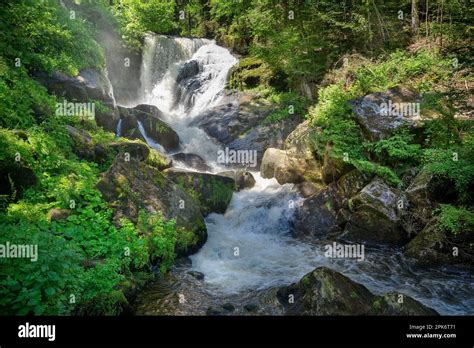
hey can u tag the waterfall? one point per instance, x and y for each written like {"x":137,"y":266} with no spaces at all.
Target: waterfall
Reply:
{"x":250,"y":246}
{"x":162,"y":56}
{"x":118,"y":132}
{"x":182,"y":93}
{"x":149,"y":140}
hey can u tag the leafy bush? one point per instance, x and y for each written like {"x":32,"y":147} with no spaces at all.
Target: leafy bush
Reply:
{"x":161,"y":236}
{"x":334,"y":118}
{"x":456,"y":220}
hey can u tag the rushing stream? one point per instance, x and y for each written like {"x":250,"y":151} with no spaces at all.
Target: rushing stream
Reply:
{"x":250,"y":249}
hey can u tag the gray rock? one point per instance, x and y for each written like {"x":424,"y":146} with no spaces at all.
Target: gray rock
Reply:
{"x":378,"y":124}
{"x":375,"y":216}
{"x":327,"y":292}
{"x":238,"y":124}
{"x":89,"y":86}
{"x":316,"y":218}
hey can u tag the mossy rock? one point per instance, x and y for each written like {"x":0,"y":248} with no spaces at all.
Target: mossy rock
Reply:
{"x":213,"y":192}
{"x":327,"y":292}
{"x":434,"y":246}
{"x":132,"y":185}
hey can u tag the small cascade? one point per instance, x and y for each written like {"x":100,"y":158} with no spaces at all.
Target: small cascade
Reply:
{"x":149,"y":140}
{"x":118,"y":132}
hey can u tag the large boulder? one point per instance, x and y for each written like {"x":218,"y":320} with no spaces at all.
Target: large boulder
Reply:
{"x":375,"y":217}
{"x":317,"y":217}
{"x":327,"y":292}
{"x":290,"y":166}
{"x":380,"y":114}
{"x":89,"y":86}
{"x":131,"y":185}
{"x":150,"y":118}
{"x":426,"y":190}
{"x":213,"y":192}
{"x":434,"y":246}
{"x":238,"y":123}
{"x":324,"y":213}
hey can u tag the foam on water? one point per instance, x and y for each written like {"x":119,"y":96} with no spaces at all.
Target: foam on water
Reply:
{"x":258,"y":220}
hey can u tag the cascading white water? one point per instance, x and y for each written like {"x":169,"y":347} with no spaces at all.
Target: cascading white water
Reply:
{"x":257,"y":221}
{"x":163,"y":59}
{"x":160,"y":55}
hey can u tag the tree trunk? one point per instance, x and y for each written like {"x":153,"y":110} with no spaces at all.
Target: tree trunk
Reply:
{"x":415,"y":20}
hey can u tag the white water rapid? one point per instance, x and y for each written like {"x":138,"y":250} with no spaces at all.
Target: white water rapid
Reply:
{"x":250,"y":247}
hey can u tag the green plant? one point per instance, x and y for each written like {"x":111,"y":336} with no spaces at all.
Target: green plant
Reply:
{"x":456,"y":220}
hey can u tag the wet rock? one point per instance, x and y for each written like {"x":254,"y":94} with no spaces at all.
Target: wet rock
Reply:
{"x":212,"y":311}
{"x":433,"y":246}
{"x":197,"y":275}
{"x":88,"y":87}
{"x":324,"y":213}
{"x":399,"y":304}
{"x":188,"y":70}
{"x":327,"y":292}
{"x":316,"y":218}
{"x":272,"y":160}
{"x":214,"y":192}
{"x":229,"y":307}
{"x":307,"y":188}
{"x":192,"y":160}
{"x":351,"y":183}
{"x":243,"y":180}
{"x":251,"y":307}
{"x":56,"y":214}
{"x":375,"y":219}
{"x":151,"y":119}
{"x":133,"y":185}
{"x":376,"y":123}
{"x":297,"y":163}
{"x":426,"y":190}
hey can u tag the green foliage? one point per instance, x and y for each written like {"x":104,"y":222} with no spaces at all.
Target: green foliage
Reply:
{"x":421,"y":71}
{"x":161,"y":236}
{"x":288,"y":104}
{"x":456,"y":220}
{"x":137,"y":17}
{"x":15,"y":85}
{"x":334,"y":118}
{"x":44,"y":37}
{"x":398,"y":151}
